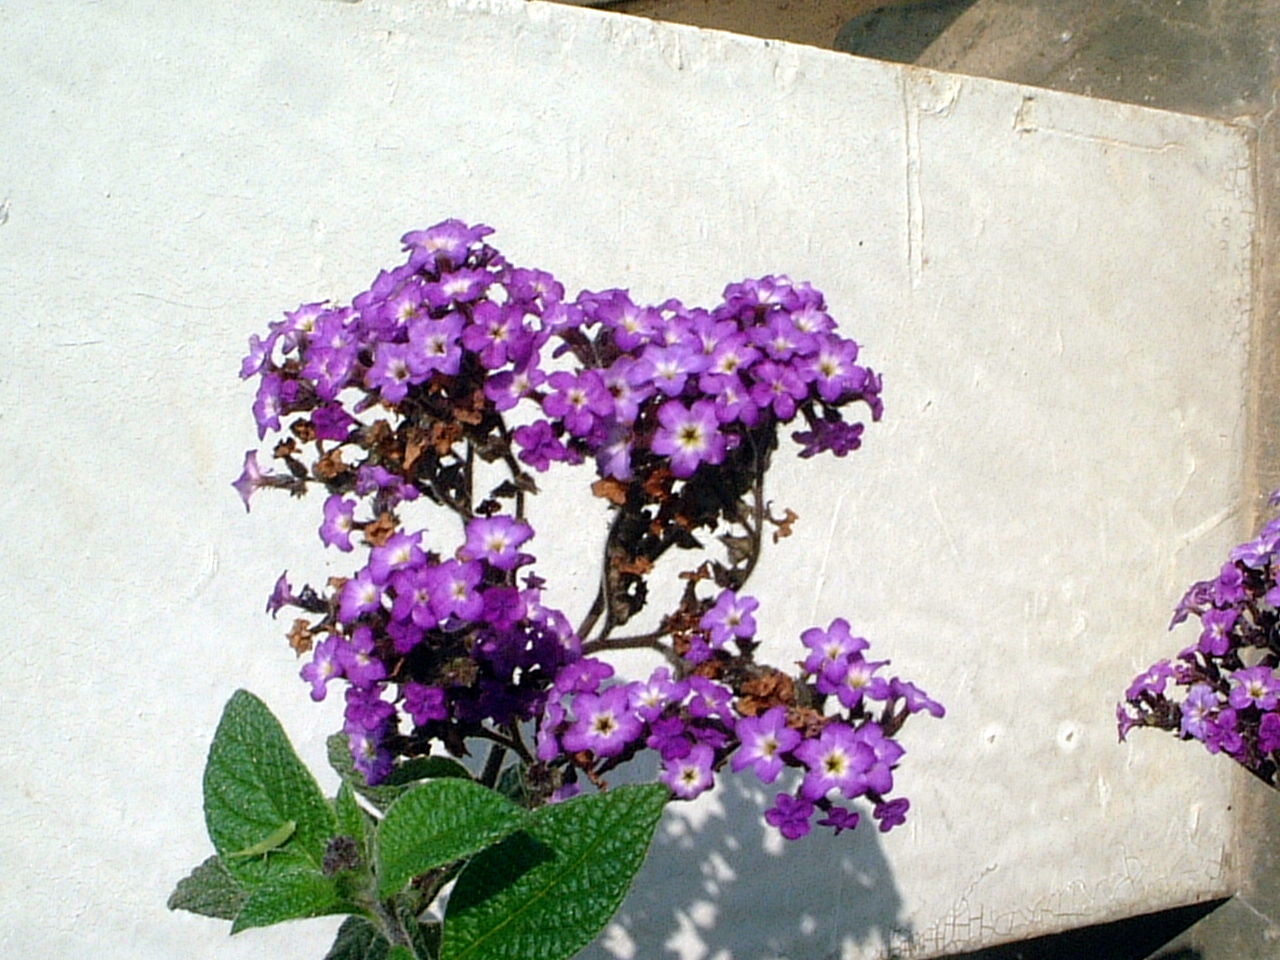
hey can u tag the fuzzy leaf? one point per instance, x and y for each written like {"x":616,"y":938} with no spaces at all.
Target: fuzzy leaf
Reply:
{"x":290,"y":895}
{"x":254,"y":783}
{"x":358,"y":939}
{"x":438,"y":822}
{"x":546,"y":892}
{"x":350,"y":820}
{"x":209,"y":890}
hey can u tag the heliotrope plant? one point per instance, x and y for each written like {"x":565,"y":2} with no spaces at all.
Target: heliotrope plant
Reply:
{"x":1223,"y":690}
{"x":443,"y":391}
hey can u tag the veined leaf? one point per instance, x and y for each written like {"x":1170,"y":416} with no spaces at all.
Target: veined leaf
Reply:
{"x":437,"y":823}
{"x":546,"y":892}
{"x":254,"y":785}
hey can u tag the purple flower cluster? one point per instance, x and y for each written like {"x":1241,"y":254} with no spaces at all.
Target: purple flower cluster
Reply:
{"x":1230,"y":674}
{"x":396,"y":398}
{"x":703,"y":720}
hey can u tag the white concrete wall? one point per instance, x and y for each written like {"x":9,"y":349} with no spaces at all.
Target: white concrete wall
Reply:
{"x":1056,"y":290}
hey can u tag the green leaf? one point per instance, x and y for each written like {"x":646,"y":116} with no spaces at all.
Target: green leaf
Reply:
{"x":427,"y":768}
{"x":209,"y":890}
{"x":254,"y":784}
{"x":291,"y":895}
{"x":436,"y":823}
{"x":546,"y":892}
{"x":358,"y":939}
{"x":401,"y":779}
{"x":350,"y":820}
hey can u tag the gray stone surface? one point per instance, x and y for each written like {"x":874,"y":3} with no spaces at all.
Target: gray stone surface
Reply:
{"x":1207,"y":57}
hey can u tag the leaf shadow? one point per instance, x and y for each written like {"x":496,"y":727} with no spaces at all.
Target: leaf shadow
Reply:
{"x":720,"y":883}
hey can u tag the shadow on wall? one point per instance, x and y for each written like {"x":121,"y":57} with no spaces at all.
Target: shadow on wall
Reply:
{"x":720,"y":883}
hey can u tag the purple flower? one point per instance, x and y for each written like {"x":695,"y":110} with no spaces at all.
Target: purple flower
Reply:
{"x":578,"y":400}
{"x":650,"y":698}
{"x":780,"y":339}
{"x":391,"y":373}
{"x":764,"y":739}
{"x":546,"y":743}
{"x":459,"y":286}
{"x":496,"y":333}
{"x":329,"y":368}
{"x":878,"y":778}
{"x":268,"y":404}
{"x":496,"y":540}
{"x":790,"y":815}
{"x":667,"y":736}
{"x":630,"y":383}
{"x":711,"y":699}
{"x":688,"y":436}
{"x":1125,"y":721}
{"x":415,"y":590}
{"x":1215,"y":638}
{"x":360,"y":595}
{"x":853,"y":680}
{"x":1198,"y":710}
{"x":730,"y":618}
{"x":916,"y":699}
{"x":366,"y":711}
{"x":1223,"y":734}
{"x":424,"y":703}
{"x":833,"y":370}
{"x":539,"y":445}
{"x":891,"y":814}
{"x":358,"y":662}
{"x":605,"y":725}
{"x":370,"y":756}
{"x":566,"y":792}
{"x":1255,"y":687}
{"x":837,"y":760}
{"x":400,"y":552}
{"x":457,"y":595}
{"x":252,"y":478}
{"x":1151,"y":683}
{"x":733,"y":401}
{"x":259,"y":355}
{"x":672,"y":366}
{"x":613,"y":458}
{"x":443,"y":246}
{"x":503,"y":608}
{"x":838,"y":818}
{"x":833,"y":436}
{"x":732,"y":356}
{"x":1229,"y":587}
{"x":508,"y":388}
{"x":583,"y":676}
{"x":281,"y":595}
{"x":331,"y":422}
{"x":434,"y":347}
{"x":828,"y":646}
{"x":323,"y":667}
{"x":1269,"y":733}
{"x":690,"y":775}
{"x":339,"y":521}
{"x":632,"y":326}
{"x":1195,"y":600}
{"x":778,"y":386}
